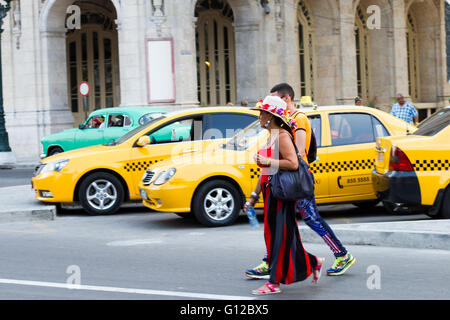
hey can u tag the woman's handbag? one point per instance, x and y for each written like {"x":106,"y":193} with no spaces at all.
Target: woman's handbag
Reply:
{"x":293,"y":185}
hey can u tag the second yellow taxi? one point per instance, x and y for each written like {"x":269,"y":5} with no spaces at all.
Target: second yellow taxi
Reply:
{"x":214,"y":185}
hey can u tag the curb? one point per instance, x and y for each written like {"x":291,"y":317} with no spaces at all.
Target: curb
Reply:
{"x":19,"y":204}
{"x":373,"y":234}
{"x":23,"y":215}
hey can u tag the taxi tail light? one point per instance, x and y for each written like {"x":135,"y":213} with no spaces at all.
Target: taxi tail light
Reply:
{"x":399,"y":161}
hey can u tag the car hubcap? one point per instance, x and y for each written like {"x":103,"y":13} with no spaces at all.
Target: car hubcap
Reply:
{"x":101,"y":194}
{"x":219,"y":204}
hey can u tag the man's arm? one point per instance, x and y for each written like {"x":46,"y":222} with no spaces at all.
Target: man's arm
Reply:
{"x":415,"y":115}
{"x":300,"y":141}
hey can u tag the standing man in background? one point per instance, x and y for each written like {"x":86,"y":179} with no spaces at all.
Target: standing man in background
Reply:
{"x":404,"y":110}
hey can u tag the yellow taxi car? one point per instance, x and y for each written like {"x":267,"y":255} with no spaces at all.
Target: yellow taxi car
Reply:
{"x":214,"y":185}
{"x":413,"y":172}
{"x":102,"y":177}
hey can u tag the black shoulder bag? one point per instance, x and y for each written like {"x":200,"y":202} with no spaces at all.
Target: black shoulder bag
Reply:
{"x":293,"y":185}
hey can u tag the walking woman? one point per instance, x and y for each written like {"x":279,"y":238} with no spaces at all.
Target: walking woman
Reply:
{"x":288,"y":260}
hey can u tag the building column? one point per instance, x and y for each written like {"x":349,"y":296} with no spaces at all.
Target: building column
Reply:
{"x":348,"y":87}
{"x":36,"y":101}
{"x":400,"y":51}
{"x":444,"y":89}
{"x":254,"y":42}
{"x":181,"y":29}
{"x":132,"y":63}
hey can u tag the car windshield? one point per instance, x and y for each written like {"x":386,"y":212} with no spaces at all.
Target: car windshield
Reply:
{"x":149,"y":117}
{"x":245,"y":138}
{"x":131,"y":133}
{"x":435,"y":123}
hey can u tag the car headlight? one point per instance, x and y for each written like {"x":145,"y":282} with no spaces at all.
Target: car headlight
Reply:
{"x":164,"y":176}
{"x":54,"y":166}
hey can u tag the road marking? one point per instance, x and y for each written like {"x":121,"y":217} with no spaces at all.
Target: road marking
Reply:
{"x":44,"y":227}
{"x":23,"y":231}
{"x":135,"y":242}
{"x":123,"y":290}
{"x":346,"y":220}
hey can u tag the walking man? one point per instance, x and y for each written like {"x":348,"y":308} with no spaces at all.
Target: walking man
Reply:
{"x":307,"y":207}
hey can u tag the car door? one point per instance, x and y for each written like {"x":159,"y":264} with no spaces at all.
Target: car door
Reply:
{"x":92,"y":133}
{"x":117,"y":125}
{"x":351,"y":155}
{"x":319,"y":126}
{"x":176,"y":137}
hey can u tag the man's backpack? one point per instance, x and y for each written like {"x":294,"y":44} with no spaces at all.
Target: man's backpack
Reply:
{"x":311,"y":154}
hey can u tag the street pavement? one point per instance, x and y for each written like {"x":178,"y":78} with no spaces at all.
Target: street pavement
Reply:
{"x":19,"y":204}
{"x":144,"y":255}
{"x":139,"y":254}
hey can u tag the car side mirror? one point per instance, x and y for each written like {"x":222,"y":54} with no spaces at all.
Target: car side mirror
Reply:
{"x":81,"y":126}
{"x":143,"y":141}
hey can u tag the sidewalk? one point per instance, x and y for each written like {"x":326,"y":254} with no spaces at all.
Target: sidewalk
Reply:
{"x":18,"y":204}
{"x":425,"y":234}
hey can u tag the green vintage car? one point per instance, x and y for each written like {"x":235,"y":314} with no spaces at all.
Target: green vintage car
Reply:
{"x":101,"y":127}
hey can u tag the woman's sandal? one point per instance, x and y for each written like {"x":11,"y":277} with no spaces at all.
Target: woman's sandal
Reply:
{"x":272,"y":289}
{"x":318,"y":270}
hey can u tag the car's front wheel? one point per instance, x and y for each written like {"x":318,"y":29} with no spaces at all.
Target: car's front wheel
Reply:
{"x":101,"y":193}
{"x":445,"y":206}
{"x":55,"y":150}
{"x":217,"y":203}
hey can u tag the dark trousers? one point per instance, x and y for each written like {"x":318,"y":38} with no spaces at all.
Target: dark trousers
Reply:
{"x":310,"y":215}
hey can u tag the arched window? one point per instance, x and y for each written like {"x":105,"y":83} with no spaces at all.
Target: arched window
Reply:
{"x":413,"y":61}
{"x":306,"y":50}
{"x":216,"y":76}
{"x":92,"y":56}
{"x":362,"y":55}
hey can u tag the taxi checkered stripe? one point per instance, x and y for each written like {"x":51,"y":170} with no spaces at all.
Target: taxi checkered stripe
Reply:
{"x":139,"y":165}
{"x":254,"y":173}
{"x":431,"y":165}
{"x":351,"y":165}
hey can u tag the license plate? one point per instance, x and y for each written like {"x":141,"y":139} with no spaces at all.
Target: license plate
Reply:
{"x":380,"y":157}
{"x":143,"y":194}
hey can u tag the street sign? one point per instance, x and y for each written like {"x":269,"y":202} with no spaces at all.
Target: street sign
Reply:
{"x":84,"y":89}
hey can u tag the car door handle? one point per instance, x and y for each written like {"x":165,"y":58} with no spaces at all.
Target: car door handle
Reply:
{"x":189,"y":151}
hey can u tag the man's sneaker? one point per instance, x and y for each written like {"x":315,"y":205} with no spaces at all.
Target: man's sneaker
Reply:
{"x":341,"y":264}
{"x":259,"y":272}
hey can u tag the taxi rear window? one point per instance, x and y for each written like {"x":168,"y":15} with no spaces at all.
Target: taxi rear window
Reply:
{"x":434,"y":124}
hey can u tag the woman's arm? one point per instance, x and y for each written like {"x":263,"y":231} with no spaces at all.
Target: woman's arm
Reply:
{"x":252,"y":200}
{"x":287,"y":152}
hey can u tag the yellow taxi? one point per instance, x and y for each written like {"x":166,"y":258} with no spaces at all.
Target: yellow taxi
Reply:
{"x":214,"y":185}
{"x":102,"y":177}
{"x":413,"y":172}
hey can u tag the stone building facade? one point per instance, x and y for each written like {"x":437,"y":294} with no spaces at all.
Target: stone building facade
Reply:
{"x":181,"y":53}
